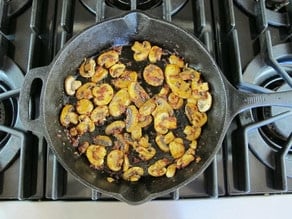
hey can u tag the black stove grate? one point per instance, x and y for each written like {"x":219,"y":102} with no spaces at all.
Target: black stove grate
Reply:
{"x":36,"y":33}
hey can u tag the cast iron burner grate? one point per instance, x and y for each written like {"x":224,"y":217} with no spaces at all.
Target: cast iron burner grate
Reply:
{"x":139,"y":4}
{"x":126,"y":4}
{"x":275,"y":10}
{"x":270,"y":138}
{"x":7,"y":114}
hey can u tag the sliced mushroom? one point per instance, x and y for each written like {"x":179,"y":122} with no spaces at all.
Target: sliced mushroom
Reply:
{"x":117,"y":69}
{"x":84,"y":106}
{"x":163,"y":141}
{"x":71,"y":85}
{"x":87,"y":68}
{"x":125,"y":79}
{"x":184,"y":161}
{"x":146,"y":153}
{"x":141,"y":50}
{"x":192,"y":133}
{"x":85,"y":125}
{"x":144,"y":121}
{"x":131,"y":118}
{"x":148,"y":107}
{"x":158,"y":168}
{"x":100,"y":73}
{"x":170,"y":170}
{"x":119,"y":102}
{"x":137,"y":94}
{"x":103,"y":94}
{"x":115,"y":160}
{"x":108,"y":58}
{"x":204,"y":103}
{"x":126,"y":164}
{"x":68,"y":116}
{"x":144,"y":142}
{"x":174,"y":59}
{"x":175,"y":101}
{"x":115,"y":127}
{"x":136,"y":133}
{"x":153,"y":75}
{"x":164,"y":91}
{"x":177,"y":148}
{"x":133,"y":174}
{"x":190,"y":74}
{"x":95,"y":155}
{"x":103,"y":140}
{"x":99,"y":114}
{"x":85,"y":91}
{"x":155,"y":54}
{"x":194,"y":144}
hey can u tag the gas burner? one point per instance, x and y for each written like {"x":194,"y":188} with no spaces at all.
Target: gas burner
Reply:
{"x":275,"y":10}
{"x":269,"y":139}
{"x":141,"y":4}
{"x":11,"y":79}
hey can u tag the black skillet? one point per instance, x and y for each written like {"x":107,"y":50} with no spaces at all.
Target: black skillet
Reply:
{"x":227,"y":101}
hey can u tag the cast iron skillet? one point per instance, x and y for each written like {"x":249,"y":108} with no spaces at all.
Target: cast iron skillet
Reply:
{"x":227,"y":101}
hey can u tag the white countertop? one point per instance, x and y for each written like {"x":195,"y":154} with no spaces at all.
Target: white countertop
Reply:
{"x":272,"y":206}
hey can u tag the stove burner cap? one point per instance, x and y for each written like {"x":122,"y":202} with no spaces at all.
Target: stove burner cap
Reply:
{"x":141,"y":4}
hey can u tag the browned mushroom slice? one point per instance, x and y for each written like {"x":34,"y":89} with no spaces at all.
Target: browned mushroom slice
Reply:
{"x":155,"y":54}
{"x":95,"y":155}
{"x":146,"y":153}
{"x":131,"y":118}
{"x":68,"y":116}
{"x":117,"y":69}
{"x":85,"y":125}
{"x":137,"y":94}
{"x":71,"y":85}
{"x":126,"y":164}
{"x":192,"y":133}
{"x":103,"y":140}
{"x":177,"y":148}
{"x":84,"y":106}
{"x":141,"y":50}
{"x":197,"y":118}
{"x":103,"y":94}
{"x":108,"y":58}
{"x":190,"y":74}
{"x":175,"y":101}
{"x":144,"y":121}
{"x":87,"y":68}
{"x":99,"y":114}
{"x":119,"y":103}
{"x":115,"y":127}
{"x":174,"y":59}
{"x":184,"y":161}
{"x":125,"y":79}
{"x":163,"y":122}
{"x":163,"y":141}
{"x":170,"y":170}
{"x":148,"y":107}
{"x":115,"y":160}
{"x":85,"y":91}
{"x":158,"y":168}
{"x":83,"y":147}
{"x":153,"y":75}
{"x":133,"y":174}
{"x":204,"y":103}
{"x":100,"y":73}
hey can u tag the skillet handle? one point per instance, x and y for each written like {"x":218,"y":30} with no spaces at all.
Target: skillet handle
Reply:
{"x":240,"y":101}
{"x":31,"y":86}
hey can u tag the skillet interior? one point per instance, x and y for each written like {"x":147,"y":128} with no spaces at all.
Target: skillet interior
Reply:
{"x":122,"y":31}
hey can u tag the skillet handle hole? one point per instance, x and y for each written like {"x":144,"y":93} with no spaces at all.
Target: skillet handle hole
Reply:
{"x":35,"y":96}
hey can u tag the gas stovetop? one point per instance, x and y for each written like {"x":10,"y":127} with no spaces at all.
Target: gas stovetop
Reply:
{"x":254,"y":53}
